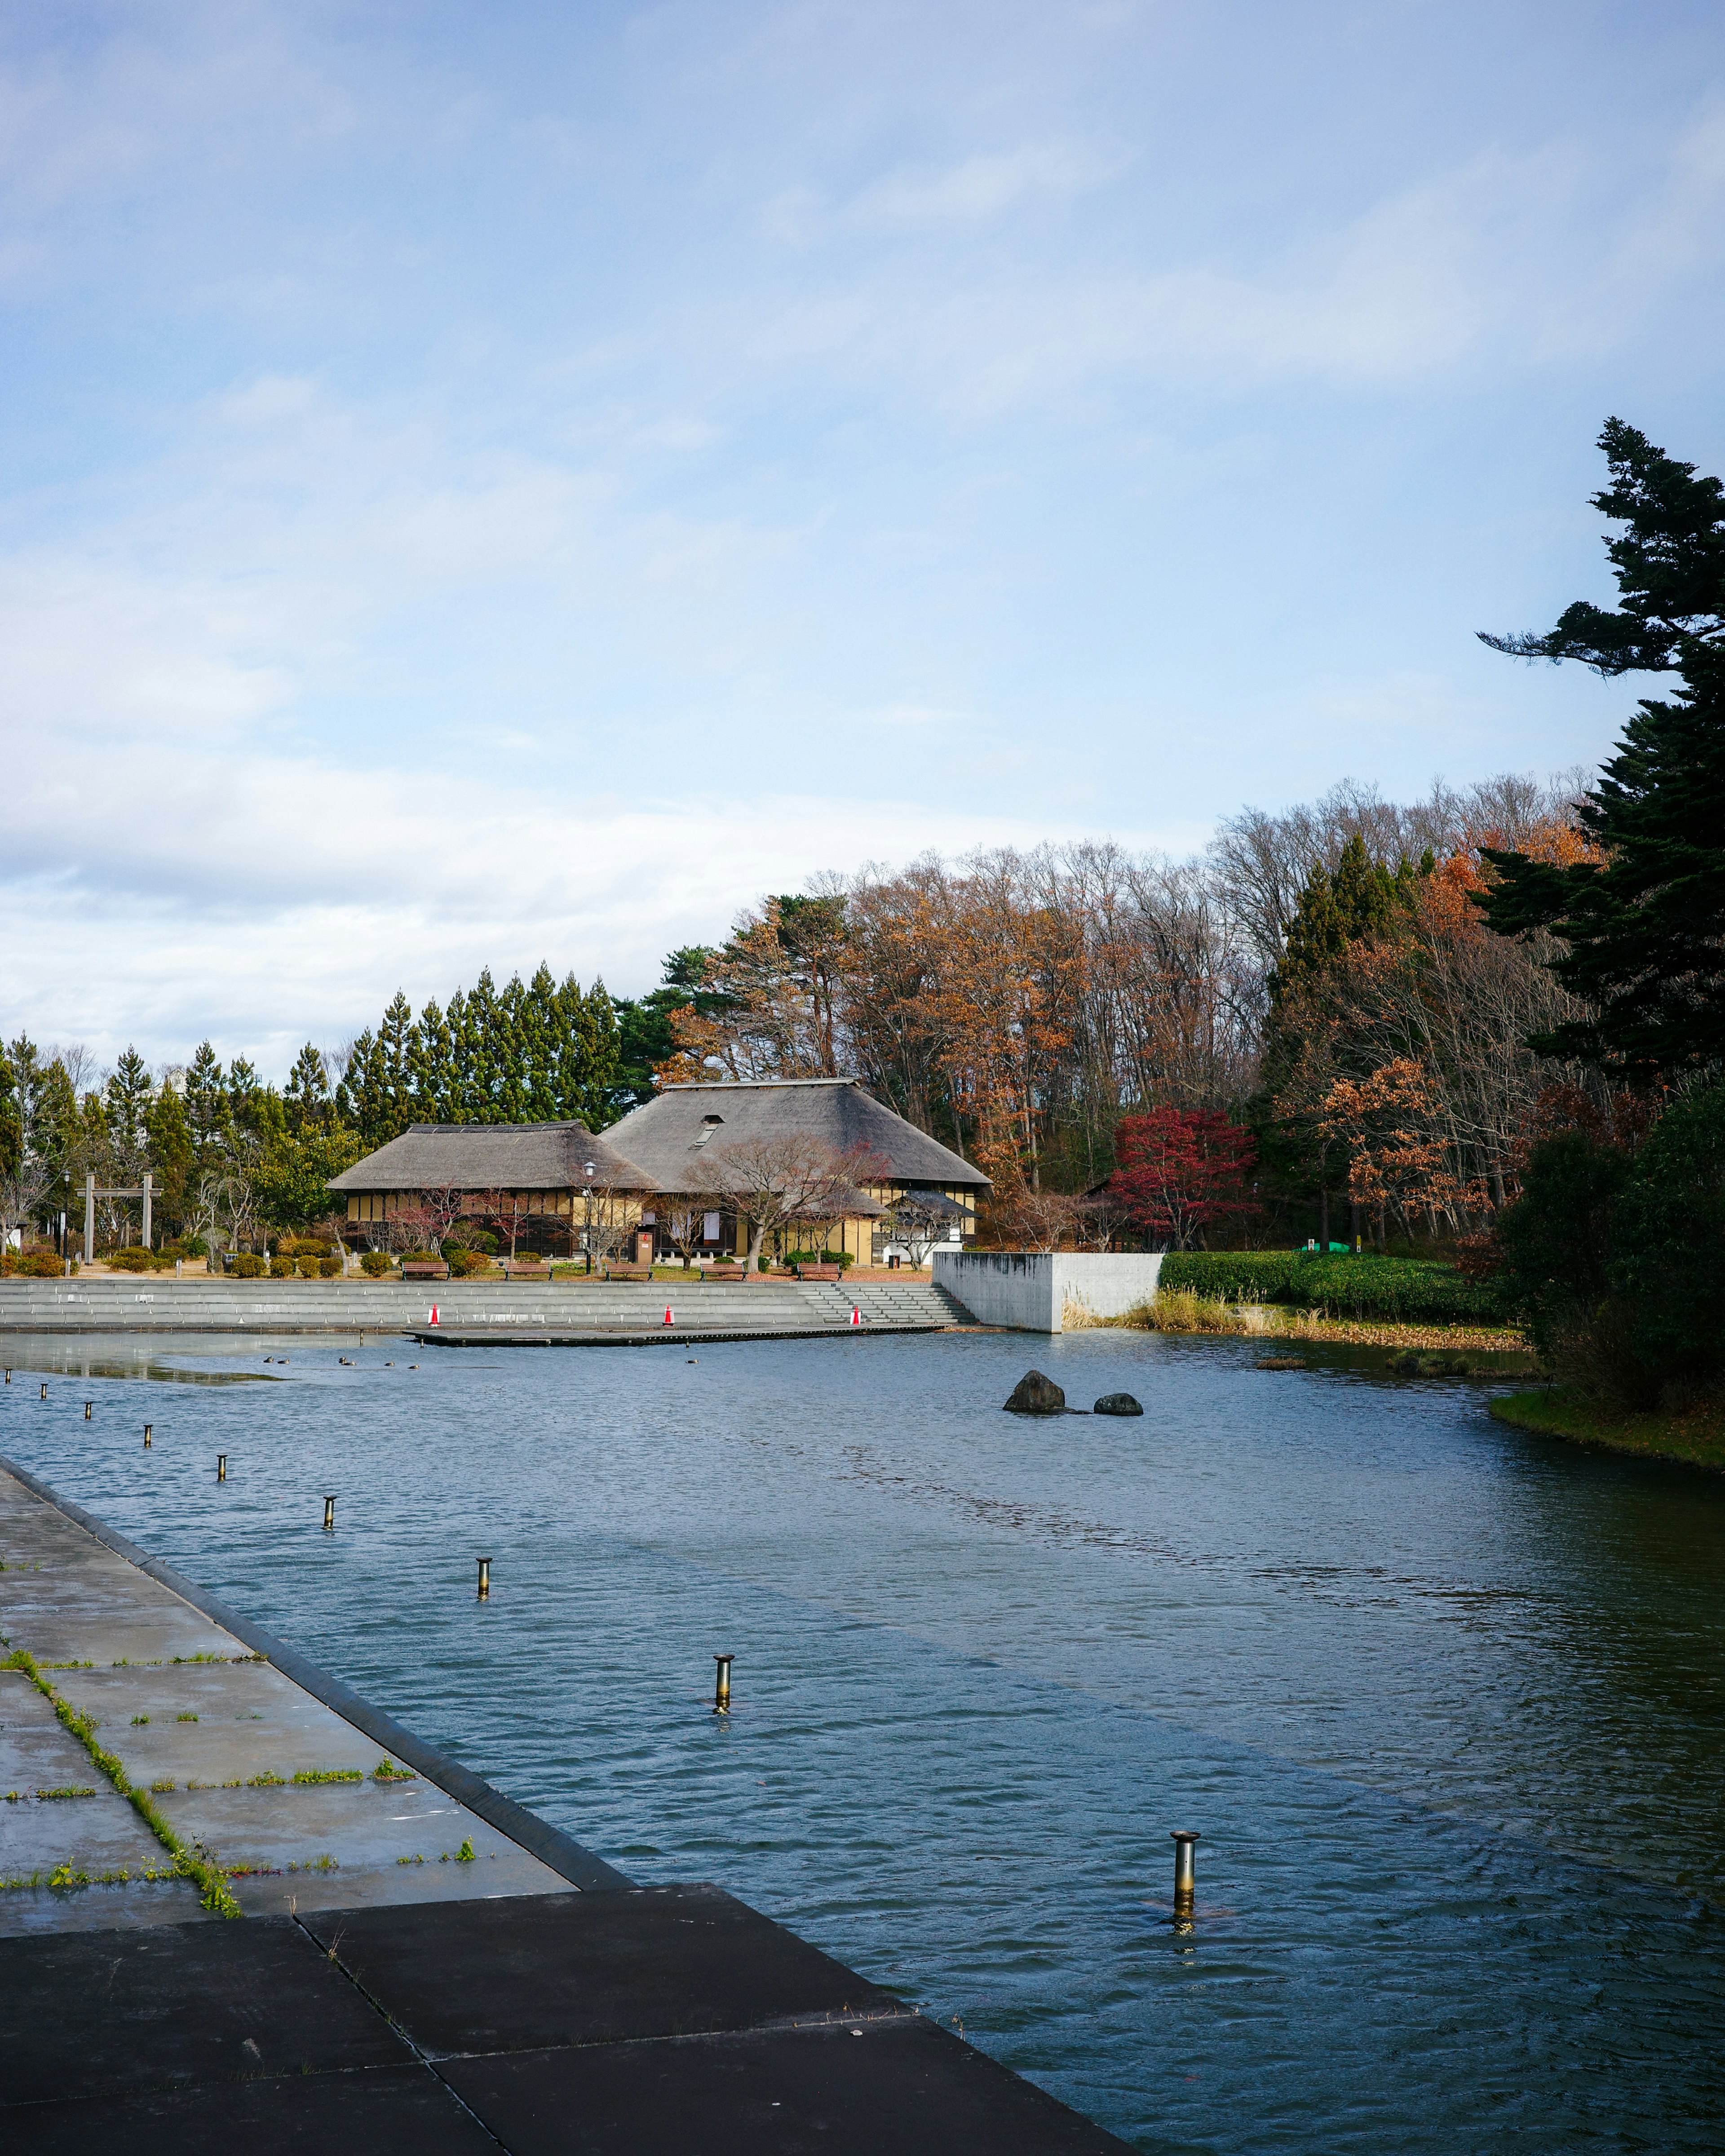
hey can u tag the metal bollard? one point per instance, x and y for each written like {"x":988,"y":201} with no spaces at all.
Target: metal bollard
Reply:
{"x":222,"y":1469}
{"x":44,"y":1392}
{"x":329,"y":1512}
{"x":1185,"y":1872}
{"x":721,"y":1684}
{"x":87,"y":1406}
{"x":148,"y":1427}
{"x":485,"y":1580}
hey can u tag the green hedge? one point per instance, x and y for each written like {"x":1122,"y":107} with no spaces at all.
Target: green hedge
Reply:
{"x":1409,"y":1291}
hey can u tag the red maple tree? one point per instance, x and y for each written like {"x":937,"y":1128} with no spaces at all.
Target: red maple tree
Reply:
{"x":1182,"y":1171}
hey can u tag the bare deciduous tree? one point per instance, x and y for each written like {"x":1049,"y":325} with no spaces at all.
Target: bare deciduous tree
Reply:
{"x":778,"y":1182}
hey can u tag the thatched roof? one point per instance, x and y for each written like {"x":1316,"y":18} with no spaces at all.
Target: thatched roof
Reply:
{"x":493,"y":1157}
{"x":667,"y":1136}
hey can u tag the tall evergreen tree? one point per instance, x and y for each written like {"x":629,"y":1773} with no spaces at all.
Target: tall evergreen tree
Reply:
{"x":125,"y":1098}
{"x":54,"y":1130}
{"x":542,"y":1045}
{"x":167,"y":1138}
{"x":305,"y":1099}
{"x":363,"y":1099}
{"x":435,"y":1098}
{"x":1644,"y":927}
{"x":11,"y":1119}
{"x":396,"y":1048}
{"x":206,"y":1102}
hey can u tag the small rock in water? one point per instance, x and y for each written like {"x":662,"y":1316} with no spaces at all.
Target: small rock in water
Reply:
{"x":1035,"y":1394}
{"x":1282,"y":1363}
{"x":1117,"y":1404}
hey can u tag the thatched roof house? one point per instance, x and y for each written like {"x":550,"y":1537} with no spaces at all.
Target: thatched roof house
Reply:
{"x":667,"y":1150}
{"x":672,"y":1136}
{"x":545,"y":1164}
{"x":667,"y":1135}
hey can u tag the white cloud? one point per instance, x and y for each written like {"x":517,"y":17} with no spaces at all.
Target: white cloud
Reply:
{"x":980,"y":187}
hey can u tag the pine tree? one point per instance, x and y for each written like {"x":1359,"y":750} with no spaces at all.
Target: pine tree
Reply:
{"x":481,"y":1033}
{"x":53,"y":1133}
{"x":508,"y":1055}
{"x":458,"y":1096}
{"x":433,"y":1074}
{"x":1644,"y":929}
{"x":362,"y":1099}
{"x":125,"y":1096}
{"x":167,"y":1136}
{"x":206,"y":1102}
{"x":396,"y":1048}
{"x":12,"y":1120}
{"x":305,"y":1099}
{"x":544,"y":1047}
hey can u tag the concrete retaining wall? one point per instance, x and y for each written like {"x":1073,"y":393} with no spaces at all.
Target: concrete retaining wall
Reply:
{"x":1031,"y":1291}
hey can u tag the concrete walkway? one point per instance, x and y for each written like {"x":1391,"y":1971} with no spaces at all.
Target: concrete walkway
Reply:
{"x":569,"y":1308}
{"x":421,"y":1966}
{"x":263,"y":1775}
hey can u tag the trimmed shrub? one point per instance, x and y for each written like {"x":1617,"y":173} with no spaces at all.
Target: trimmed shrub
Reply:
{"x":329,"y":1269}
{"x":133,"y":1259}
{"x":1390,"y":1291}
{"x":376,"y":1263}
{"x":839,"y":1258}
{"x":35,"y":1265}
{"x":248,"y":1265}
{"x":281,"y":1268}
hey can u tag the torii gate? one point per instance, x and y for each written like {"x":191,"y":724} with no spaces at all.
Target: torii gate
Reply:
{"x":145,"y":1191}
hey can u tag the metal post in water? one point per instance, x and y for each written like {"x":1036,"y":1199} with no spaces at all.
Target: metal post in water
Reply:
{"x":148,"y":1427}
{"x":87,"y":1406}
{"x":329,"y":1512}
{"x":221,"y":1470}
{"x":1185,"y":1872}
{"x":44,"y":1392}
{"x":721,"y":1684}
{"x":485,"y":1580}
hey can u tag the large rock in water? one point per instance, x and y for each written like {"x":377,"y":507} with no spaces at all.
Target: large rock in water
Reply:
{"x":1116,"y":1404}
{"x":1035,"y":1394}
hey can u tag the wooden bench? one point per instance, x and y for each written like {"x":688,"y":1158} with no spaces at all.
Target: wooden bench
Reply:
{"x":820,"y":1272}
{"x":514,"y":1272}
{"x":425,"y":1269}
{"x":723,"y":1272}
{"x":629,"y":1273}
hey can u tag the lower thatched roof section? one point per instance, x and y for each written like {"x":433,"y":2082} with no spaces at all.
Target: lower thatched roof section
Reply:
{"x":494,"y":1157}
{"x":667,"y":1136}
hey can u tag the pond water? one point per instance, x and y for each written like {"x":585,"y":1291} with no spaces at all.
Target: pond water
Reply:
{"x":1444,"y":1699}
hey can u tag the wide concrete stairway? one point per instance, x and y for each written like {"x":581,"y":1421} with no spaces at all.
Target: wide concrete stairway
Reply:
{"x":153,"y":1303}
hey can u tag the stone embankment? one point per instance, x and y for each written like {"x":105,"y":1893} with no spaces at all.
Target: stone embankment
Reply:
{"x":491,"y":1309}
{"x":420,"y":1965}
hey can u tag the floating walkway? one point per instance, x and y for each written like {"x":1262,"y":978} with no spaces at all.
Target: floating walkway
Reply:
{"x":420,"y":1963}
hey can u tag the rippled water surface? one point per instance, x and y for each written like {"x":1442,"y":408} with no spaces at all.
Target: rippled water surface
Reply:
{"x":1444,"y":1700}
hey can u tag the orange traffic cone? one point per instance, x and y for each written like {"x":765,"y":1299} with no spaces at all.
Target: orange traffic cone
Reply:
{"x":433,"y":1313}
{"x":855,"y":1314}
{"x":668,"y":1317}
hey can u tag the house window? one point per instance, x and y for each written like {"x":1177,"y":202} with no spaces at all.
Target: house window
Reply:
{"x":710,"y":1228}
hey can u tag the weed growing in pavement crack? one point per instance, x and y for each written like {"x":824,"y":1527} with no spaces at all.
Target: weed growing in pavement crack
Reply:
{"x":208,"y":1878}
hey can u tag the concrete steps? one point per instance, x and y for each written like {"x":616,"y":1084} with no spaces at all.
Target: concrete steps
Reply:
{"x":147,"y":1304}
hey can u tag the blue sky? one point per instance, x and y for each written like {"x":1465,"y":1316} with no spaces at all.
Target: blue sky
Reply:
{"x":481,"y":484}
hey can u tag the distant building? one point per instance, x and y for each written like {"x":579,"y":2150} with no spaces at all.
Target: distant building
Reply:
{"x":545,"y":1165}
{"x":654,"y":1157}
{"x":667,"y":1137}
